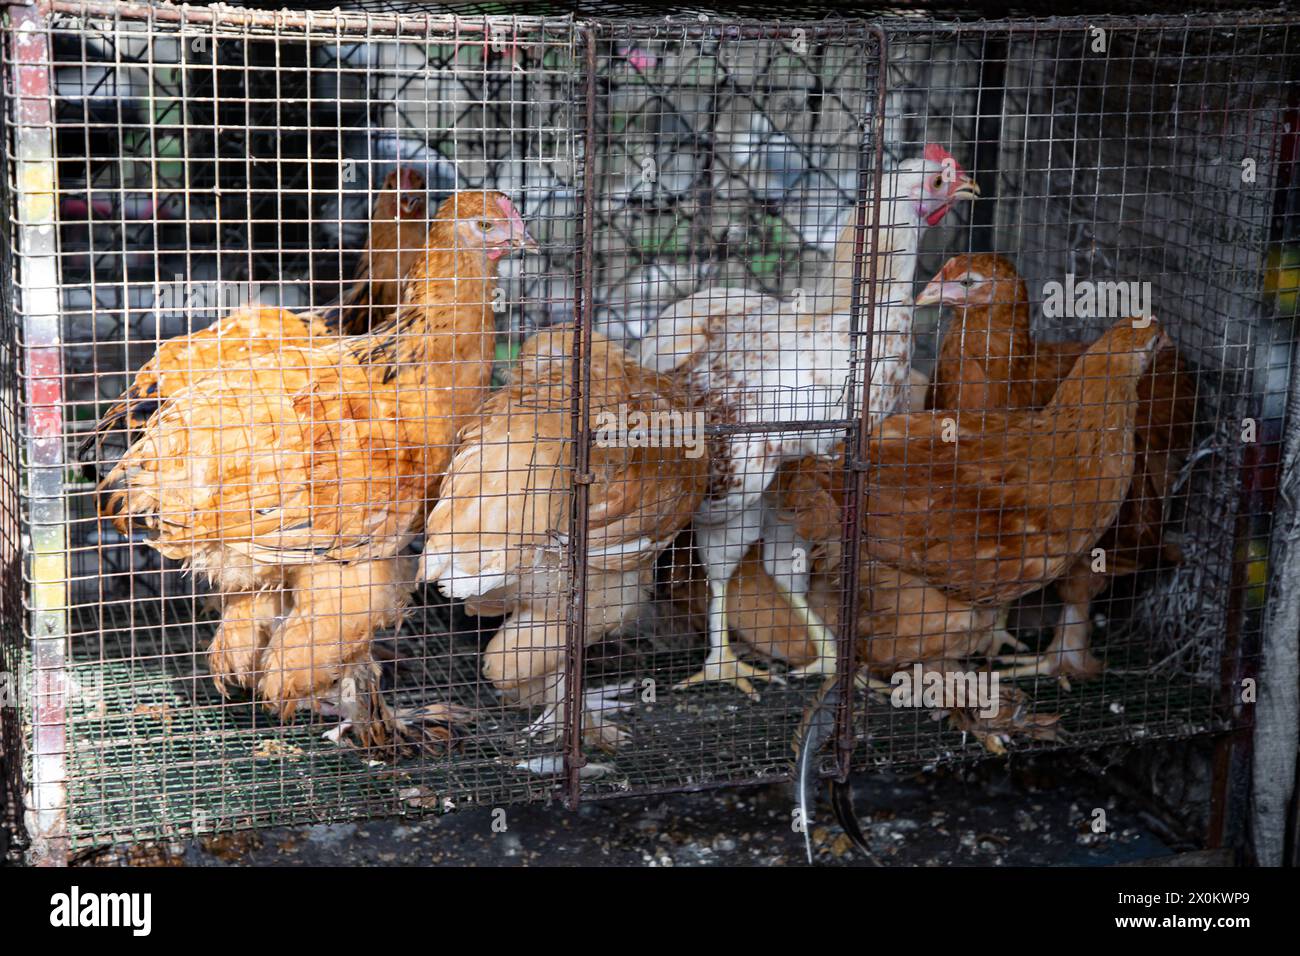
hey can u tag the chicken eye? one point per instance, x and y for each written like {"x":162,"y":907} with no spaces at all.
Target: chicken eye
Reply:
{"x":967,"y":281}
{"x":937,"y":182}
{"x":485,"y":225}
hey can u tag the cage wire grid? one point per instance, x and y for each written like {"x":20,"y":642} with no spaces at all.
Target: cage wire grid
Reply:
{"x":652,"y":158}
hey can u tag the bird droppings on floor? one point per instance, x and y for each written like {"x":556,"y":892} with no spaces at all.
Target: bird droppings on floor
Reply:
{"x":1041,"y":812}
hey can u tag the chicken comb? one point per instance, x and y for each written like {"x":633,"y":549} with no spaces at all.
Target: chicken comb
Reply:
{"x":409,"y":179}
{"x":510,"y":212}
{"x":937,"y":154}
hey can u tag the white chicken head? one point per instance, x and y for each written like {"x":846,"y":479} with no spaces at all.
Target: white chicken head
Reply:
{"x":920,"y":191}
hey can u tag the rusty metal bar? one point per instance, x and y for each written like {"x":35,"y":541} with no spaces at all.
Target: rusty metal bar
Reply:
{"x":37,"y":280}
{"x":576,"y":623}
{"x":870,"y":183}
{"x":236,"y":17}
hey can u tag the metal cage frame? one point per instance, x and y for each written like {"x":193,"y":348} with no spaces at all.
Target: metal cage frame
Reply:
{"x":35,"y":573}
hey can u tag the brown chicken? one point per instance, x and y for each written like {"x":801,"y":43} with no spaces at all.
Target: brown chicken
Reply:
{"x":901,"y":620}
{"x":993,"y":508}
{"x":967,"y":512}
{"x":988,"y":362}
{"x":233,"y":341}
{"x":499,"y":533}
{"x":989,"y":508}
{"x":295,"y":479}
{"x":398,"y":227}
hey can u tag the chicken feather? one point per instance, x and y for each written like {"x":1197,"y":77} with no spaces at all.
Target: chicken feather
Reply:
{"x":233,"y":341}
{"x":498,"y":535}
{"x":305,"y":471}
{"x":988,"y":361}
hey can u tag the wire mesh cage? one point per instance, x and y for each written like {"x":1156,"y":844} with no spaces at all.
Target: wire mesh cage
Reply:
{"x":414,"y":410}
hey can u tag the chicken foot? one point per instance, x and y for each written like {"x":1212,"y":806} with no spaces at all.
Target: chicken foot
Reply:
{"x":336,"y":610}
{"x":1069,"y":655}
{"x":367,"y":719}
{"x":823,"y":638}
{"x":247,"y":620}
{"x":722,"y":547}
{"x":1011,"y":720}
{"x":722,"y":665}
{"x":598,"y":703}
{"x":525,"y":659}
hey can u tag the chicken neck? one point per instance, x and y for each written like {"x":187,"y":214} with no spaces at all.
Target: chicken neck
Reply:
{"x":436,"y":352}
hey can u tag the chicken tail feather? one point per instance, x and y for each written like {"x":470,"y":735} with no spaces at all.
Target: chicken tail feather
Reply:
{"x":815,"y":728}
{"x":842,"y":806}
{"x":119,"y":429}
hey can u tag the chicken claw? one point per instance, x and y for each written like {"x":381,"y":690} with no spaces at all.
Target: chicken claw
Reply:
{"x":1012,"y":720}
{"x":1000,"y":637}
{"x":825,"y":664}
{"x":597,"y":730}
{"x":246,"y":624}
{"x":1068,"y":655}
{"x":722,"y":665}
{"x":368,"y":723}
{"x":864,"y":681}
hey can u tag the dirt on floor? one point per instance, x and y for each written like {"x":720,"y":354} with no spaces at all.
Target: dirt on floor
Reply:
{"x":1045,"y":811}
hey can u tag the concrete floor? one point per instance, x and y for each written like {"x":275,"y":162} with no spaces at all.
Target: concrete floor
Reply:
{"x":1038,"y":812}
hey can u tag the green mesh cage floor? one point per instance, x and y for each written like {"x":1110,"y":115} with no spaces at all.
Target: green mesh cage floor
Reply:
{"x":155,"y":752}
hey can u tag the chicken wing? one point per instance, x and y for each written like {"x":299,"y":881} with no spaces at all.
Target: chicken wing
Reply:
{"x":499,"y":534}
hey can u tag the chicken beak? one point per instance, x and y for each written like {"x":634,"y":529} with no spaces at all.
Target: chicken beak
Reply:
{"x":964,"y":188}
{"x":526,"y":243}
{"x":932,"y":294}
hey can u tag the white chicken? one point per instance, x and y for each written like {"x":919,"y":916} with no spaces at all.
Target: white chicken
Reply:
{"x":755,"y":360}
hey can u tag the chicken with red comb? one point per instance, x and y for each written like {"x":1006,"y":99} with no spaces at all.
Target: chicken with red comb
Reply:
{"x":752,"y":359}
{"x":989,"y":362}
{"x":294,"y":479}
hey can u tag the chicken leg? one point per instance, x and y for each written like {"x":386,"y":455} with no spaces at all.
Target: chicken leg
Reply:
{"x":823,"y":638}
{"x":722,"y":547}
{"x":598,"y":703}
{"x":337,"y":609}
{"x":722,"y":665}
{"x":1069,"y":655}
{"x":525,"y":660}
{"x":366,"y":717}
{"x":791,"y":578}
{"x":247,"y":620}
